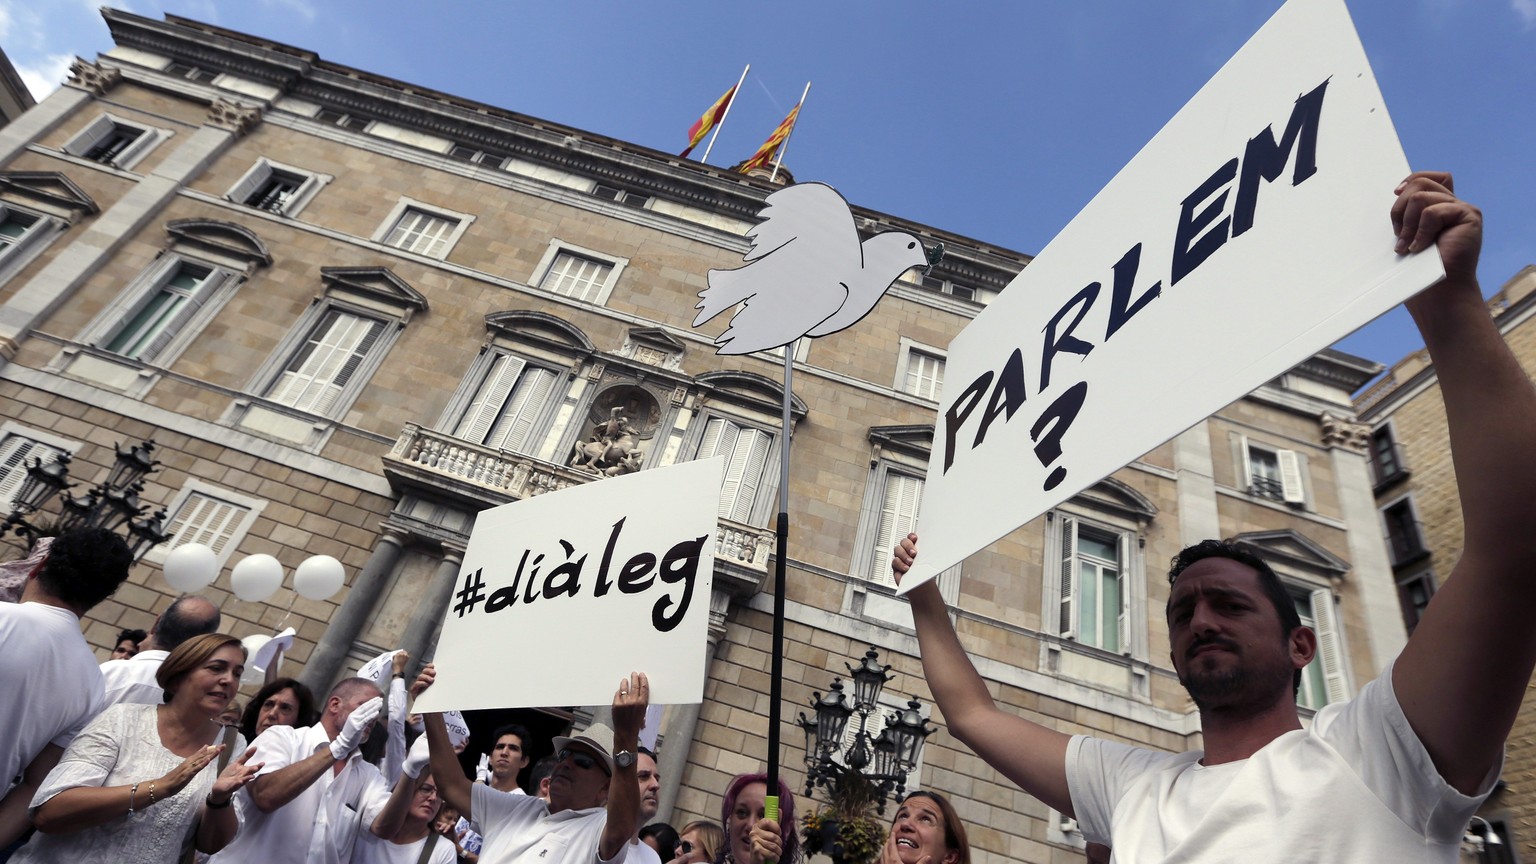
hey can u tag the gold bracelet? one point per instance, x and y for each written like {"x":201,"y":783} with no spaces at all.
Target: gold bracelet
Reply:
{"x":151,"y":793}
{"x":132,"y":791}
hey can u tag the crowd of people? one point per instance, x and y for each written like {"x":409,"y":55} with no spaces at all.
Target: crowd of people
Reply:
{"x":148,"y":757}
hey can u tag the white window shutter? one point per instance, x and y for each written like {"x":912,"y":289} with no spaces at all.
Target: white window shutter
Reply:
{"x":1124,"y":628}
{"x":330,"y":356}
{"x":725,"y":438}
{"x":251,"y":182}
{"x":199,"y":295}
{"x":1328,"y":649}
{"x":90,"y":136}
{"x":15,"y":453}
{"x":755,"y":442}
{"x":134,"y":151}
{"x":1294,"y":491}
{"x":1247,"y":478}
{"x":523,"y":408}
{"x":206,"y":520}
{"x":1068,"y":622}
{"x":898,"y":515}
{"x":489,"y":398}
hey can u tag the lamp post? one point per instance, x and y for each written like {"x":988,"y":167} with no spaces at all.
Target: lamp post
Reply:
{"x":881,"y":762}
{"x":112,"y":504}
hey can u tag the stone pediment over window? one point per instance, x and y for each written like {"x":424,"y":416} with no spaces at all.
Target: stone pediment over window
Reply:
{"x":52,"y":190}
{"x":222,"y":239}
{"x":375,"y":285}
{"x":1114,"y":496}
{"x":653,"y":347}
{"x":751,"y":390}
{"x":1296,"y":550}
{"x":915,"y":441}
{"x":526,"y":325}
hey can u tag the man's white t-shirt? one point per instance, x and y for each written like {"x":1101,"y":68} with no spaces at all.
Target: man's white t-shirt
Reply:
{"x":132,"y":681}
{"x":320,"y":825}
{"x":376,"y":850}
{"x":1356,"y":786}
{"x":520,"y":828}
{"x":640,"y":852}
{"x":50,"y":681}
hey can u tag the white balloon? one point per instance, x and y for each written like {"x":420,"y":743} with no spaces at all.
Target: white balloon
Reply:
{"x":318,"y":577}
{"x":256,"y":577}
{"x":253,"y":674}
{"x":190,"y":567}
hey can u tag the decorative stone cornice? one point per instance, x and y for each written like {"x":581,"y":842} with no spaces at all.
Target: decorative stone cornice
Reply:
{"x":237,"y":117}
{"x":94,"y":78}
{"x":1345,"y":433}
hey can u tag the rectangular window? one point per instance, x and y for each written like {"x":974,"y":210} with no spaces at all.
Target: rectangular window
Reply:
{"x":1322,"y":681}
{"x":14,"y":226}
{"x":111,"y":141}
{"x":477,"y":156}
{"x":507,"y":405}
{"x":900,"y":500}
{"x":746,"y":451}
{"x":110,"y":147}
{"x":1404,"y":540}
{"x":924,"y":375}
{"x":274,"y":194}
{"x":157,"y":319}
{"x":16,"y":453}
{"x":576,"y":276}
{"x":421,"y":232}
{"x":326,"y":361}
{"x":346,"y":121}
{"x":1094,"y":600}
{"x":1273,"y":474}
{"x":1413,"y":594}
{"x":204,"y":519}
{"x":1386,"y":460}
{"x":629,"y":199}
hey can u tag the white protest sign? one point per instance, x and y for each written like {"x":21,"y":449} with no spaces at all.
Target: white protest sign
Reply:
{"x":262,"y":652}
{"x":1250,"y":233}
{"x":458,"y":730}
{"x":379,"y":669}
{"x":602,"y":579}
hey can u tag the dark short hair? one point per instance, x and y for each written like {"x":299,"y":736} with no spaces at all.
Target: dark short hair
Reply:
{"x":85,"y":566}
{"x":134,"y":636}
{"x":301,"y":694}
{"x":517,"y":729}
{"x":541,"y":769}
{"x":666,"y":835}
{"x":178,"y":622}
{"x":789,"y":827}
{"x":1242,"y":553}
{"x":955,"y":839}
{"x":647,"y":751}
{"x":188,"y":656}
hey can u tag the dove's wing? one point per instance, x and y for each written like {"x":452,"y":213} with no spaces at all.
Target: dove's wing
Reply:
{"x":810,"y":214}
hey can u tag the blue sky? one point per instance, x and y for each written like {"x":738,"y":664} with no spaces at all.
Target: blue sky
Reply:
{"x":994,"y":120}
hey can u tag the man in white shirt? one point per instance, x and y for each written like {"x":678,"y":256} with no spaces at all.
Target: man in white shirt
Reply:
{"x":649,"y":780}
{"x":132,"y":681}
{"x":315,"y":790}
{"x":1395,"y":773}
{"x":594,"y":800}
{"x":48,"y":674}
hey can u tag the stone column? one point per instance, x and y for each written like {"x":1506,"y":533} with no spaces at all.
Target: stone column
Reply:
{"x":331,"y":652}
{"x":1347,"y":441}
{"x":95,"y":246}
{"x":421,"y":634}
{"x":1198,"y":518}
{"x":683,"y":720}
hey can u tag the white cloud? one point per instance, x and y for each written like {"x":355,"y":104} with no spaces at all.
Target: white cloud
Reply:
{"x":45,"y":76}
{"x":302,"y":8}
{"x":1526,"y":9}
{"x":5,"y":23}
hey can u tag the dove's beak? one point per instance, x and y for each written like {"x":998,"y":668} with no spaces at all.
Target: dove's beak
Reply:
{"x":935,"y":254}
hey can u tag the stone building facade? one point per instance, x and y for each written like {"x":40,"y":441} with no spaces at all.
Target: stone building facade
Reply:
{"x":353,"y":312}
{"x":1420,"y":516}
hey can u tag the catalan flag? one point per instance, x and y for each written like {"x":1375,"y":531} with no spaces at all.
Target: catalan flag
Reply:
{"x":711,"y":118}
{"x":765,"y":153}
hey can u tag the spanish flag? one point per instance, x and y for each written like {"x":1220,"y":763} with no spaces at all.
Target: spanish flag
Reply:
{"x":764,"y":154}
{"x":711,"y":118}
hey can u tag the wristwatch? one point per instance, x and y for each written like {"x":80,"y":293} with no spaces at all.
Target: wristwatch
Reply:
{"x":623,"y":759}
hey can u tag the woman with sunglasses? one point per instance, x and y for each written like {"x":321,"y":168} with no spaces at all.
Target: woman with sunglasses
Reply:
{"x":927,"y":830}
{"x":751,"y":837}
{"x":698,"y":843}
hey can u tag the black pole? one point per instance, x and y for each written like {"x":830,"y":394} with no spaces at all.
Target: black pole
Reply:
{"x":776,"y":649}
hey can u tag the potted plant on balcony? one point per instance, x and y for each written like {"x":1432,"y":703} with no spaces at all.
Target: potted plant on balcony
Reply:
{"x":846,"y":830}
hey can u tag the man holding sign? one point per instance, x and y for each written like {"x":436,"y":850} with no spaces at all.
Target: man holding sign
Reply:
{"x":1393,"y":775}
{"x":594,"y":795}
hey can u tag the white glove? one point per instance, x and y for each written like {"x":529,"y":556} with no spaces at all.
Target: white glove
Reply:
{"x":356,"y":728}
{"x":417,"y":760}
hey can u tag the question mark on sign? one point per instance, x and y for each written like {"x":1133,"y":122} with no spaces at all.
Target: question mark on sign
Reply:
{"x":1048,"y":446}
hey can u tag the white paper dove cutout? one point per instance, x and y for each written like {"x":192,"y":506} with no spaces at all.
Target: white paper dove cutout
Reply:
{"x":807,"y":274}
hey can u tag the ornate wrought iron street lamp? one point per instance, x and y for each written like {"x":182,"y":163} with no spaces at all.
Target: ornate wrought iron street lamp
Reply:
{"x":884,"y":761}
{"x":112,"y":504}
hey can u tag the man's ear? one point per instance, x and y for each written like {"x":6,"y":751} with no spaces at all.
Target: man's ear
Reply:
{"x":1303,"y":645}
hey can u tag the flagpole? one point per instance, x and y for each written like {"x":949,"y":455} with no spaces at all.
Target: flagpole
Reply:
{"x":776,"y":649}
{"x":778,"y":157}
{"x":735,"y":91}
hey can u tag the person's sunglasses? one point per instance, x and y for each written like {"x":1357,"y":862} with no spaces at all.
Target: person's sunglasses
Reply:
{"x":685,"y":847}
{"x":582,"y":760}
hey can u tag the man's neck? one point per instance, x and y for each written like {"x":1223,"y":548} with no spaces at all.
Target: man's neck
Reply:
{"x":1231,"y":736}
{"x":504,"y":784}
{"x":35,"y":593}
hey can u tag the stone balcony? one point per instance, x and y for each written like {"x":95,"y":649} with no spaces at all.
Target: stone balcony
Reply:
{"x":478,"y":477}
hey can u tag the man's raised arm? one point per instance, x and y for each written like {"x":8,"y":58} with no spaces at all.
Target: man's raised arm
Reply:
{"x":1029,"y":754}
{"x":1462,"y":676}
